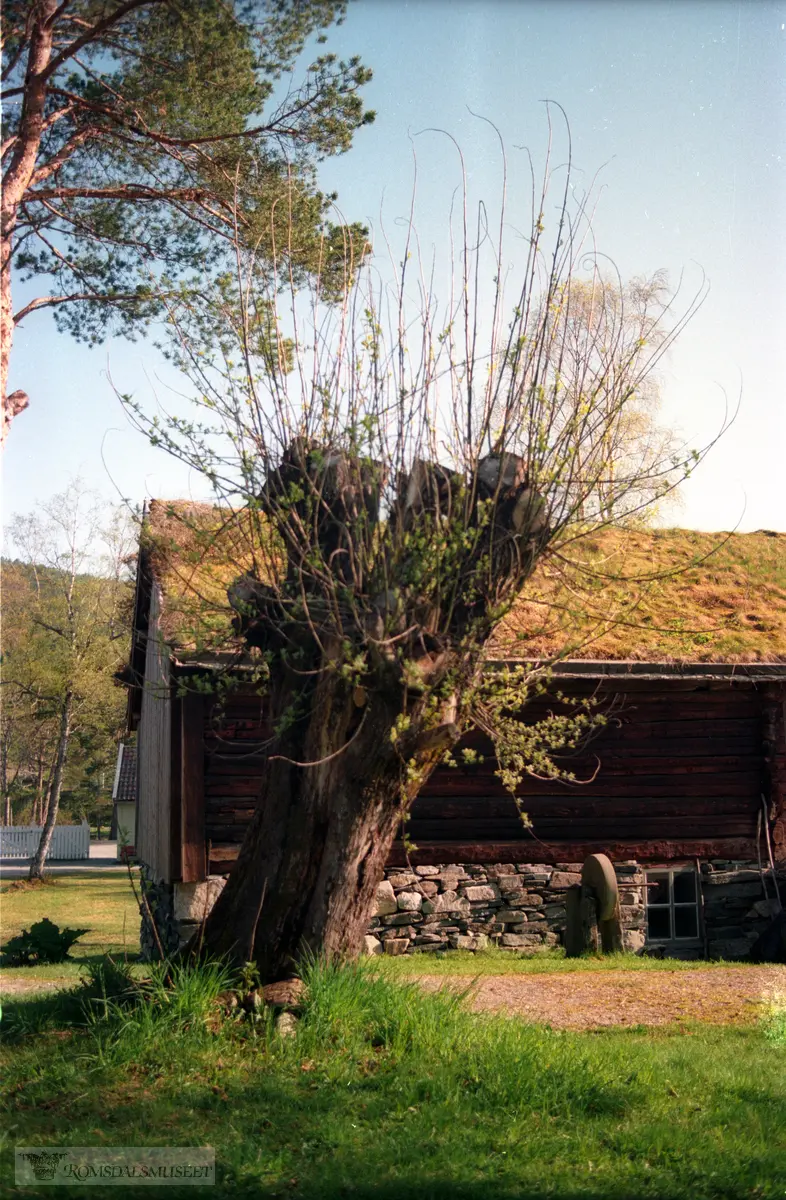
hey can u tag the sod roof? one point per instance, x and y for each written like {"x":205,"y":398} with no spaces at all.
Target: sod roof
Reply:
{"x":658,"y":595}
{"x":194,"y":552}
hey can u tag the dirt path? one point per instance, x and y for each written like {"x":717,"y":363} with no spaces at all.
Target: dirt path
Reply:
{"x":587,"y":999}
{"x":24,"y":987}
{"x":590,"y":999}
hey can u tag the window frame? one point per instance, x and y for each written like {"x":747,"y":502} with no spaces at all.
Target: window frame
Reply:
{"x":671,"y":871}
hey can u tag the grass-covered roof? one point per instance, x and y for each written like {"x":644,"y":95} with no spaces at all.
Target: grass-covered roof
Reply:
{"x":657,"y":595}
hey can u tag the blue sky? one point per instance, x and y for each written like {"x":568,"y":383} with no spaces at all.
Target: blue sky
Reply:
{"x":683,"y":105}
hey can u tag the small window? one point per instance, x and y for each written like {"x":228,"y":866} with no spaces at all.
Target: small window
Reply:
{"x":672,"y":905}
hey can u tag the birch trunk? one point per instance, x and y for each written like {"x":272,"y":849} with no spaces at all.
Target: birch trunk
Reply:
{"x":39,"y":859}
{"x":38,"y":802}
{"x":4,"y":782}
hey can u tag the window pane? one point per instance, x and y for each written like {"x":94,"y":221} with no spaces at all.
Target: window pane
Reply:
{"x":686,"y":924}
{"x":658,"y":923}
{"x":657,"y":887}
{"x":685,"y":887}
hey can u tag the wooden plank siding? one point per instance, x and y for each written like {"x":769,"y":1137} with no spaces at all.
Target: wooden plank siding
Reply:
{"x":153,"y":821}
{"x":236,"y":741}
{"x":677,"y":773}
{"x":192,"y":788}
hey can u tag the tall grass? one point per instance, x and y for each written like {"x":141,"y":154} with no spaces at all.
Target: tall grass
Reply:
{"x":165,"y":1017}
{"x":773,"y":1020}
{"x":444,"y":1053}
{"x":388,"y":1091}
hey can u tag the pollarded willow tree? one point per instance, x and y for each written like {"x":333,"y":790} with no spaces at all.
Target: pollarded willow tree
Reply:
{"x":400,"y":475}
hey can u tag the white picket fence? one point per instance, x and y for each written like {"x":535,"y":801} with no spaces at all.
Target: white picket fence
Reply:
{"x":68,"y":841}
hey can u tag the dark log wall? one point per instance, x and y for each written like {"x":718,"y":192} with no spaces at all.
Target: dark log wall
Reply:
{"x":677,"y":773}
{"x":236,"y":738}
{"x":774,"y":708}
{"x":682,"y":768}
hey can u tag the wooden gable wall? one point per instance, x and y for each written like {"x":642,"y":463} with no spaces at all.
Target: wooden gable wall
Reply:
{"x":154,"y":757}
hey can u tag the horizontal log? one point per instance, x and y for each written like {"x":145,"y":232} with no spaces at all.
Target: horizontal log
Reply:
{"x":648,"y":742}
{"x":705,"y":687}
{"x":485,"y":807}
{"x":672,"y":692}
{"x":665,"y":732}
{"x":223,"y":851}
{"x":546,"y":827}
{"x":742,"y":785}
{"x":224,"y":828}
{"x":242,"y":722}
{"x":574,"y":851}
{"x":232,"y":785}
{"x":530,"y":851}
{"x":228,"y":804}
{"x":234,"y":746}
{"x":225,"y":832}
{"x":614,"y":763}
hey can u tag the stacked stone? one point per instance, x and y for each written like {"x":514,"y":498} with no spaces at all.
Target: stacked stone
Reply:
{"x":177,"y":909}
{"x":630,"y":881}
{"x":466,"y":907}
{"x":736,"y":910}
{"x":158,"y":904}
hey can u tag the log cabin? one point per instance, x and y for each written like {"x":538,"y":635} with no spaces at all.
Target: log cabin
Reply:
{"x":684,"y":788}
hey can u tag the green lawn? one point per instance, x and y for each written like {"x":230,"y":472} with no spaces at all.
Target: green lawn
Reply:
{"x":500,"y":962}
{"x":100,"y":901}
{"x":385,"y":1092}
{"x":388,"y":1093}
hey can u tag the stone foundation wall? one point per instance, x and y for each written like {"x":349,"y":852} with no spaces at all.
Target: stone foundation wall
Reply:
{"x":522,"y":907}
{"x":177,"y":909}
{"x":468,"y":907}
{"x":735,"y":908}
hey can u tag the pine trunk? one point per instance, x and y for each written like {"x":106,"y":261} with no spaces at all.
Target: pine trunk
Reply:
{"x":6,"y":335}
{"x":39,"y":858}
{"x":16,"y":180}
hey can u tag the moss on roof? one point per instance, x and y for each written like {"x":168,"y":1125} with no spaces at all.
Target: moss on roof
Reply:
{"x":661,"y":595}
{"x":195,"y":551}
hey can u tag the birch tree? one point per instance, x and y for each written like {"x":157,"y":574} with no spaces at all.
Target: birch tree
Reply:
{"x":76,"y":633}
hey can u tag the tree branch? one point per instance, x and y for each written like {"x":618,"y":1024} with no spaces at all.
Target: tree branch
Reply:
{"x":94,"y":32}
{"x":62,"y":155}
{"x":100,"y":297}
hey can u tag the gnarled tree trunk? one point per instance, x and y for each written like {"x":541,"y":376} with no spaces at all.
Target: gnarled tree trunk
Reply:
{"x":368,"y":679}
{"x":315,"y":851}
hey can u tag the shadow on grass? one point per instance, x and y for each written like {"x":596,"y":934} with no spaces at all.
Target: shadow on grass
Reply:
{"x":386,"y":1093}
{"x":431,"y":1189}
{"x":63,"y":1008}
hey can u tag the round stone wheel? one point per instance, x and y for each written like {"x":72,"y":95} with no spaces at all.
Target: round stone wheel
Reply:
{"x":599,"y":874}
